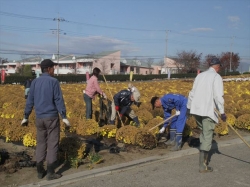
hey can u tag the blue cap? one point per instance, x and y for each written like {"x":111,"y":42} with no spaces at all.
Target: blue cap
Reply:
{"x":215,"y":61}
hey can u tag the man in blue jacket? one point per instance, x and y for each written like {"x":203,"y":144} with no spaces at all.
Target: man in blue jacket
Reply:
{"x":169,"y":102}
{"x":46,"y":96}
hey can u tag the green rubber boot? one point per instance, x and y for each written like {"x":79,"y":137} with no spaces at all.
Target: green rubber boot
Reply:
{"x":171,"y":141}
{"x":178,"y":142}
{"x":203,"y":167}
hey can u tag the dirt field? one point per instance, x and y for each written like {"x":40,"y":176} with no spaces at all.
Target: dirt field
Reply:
{"x":26,"y":175}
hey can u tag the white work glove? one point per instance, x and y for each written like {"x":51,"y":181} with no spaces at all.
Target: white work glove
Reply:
{"x":162,"y":130}
{"x":177,"y":113}
{"x":104,"y":95}
{"x":24,"y":122}
{"x":83,"y":91}
{"x":66,"y":122}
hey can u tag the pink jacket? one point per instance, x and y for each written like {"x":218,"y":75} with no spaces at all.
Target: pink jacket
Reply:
{"x":93,"y":87}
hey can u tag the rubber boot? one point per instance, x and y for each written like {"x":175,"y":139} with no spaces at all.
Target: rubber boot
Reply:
{"x":111,"y":122}
{"x":178,"y":142}
{"x":136,"y":120}
{"x":40,"y":170}
{"x":203,"y":167}
{"x":51,"y":175}
{"x":171,"y":141}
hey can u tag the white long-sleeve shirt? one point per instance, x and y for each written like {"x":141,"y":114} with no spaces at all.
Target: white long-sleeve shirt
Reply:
{"x":206,"y":95}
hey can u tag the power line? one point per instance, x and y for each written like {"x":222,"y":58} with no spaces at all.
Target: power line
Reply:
{"x":202,"y":36}
{"x":23,"y":16}
{"x":112,"y":27}
{"x":73,"y":22}
{"x":148,"y":41}
{"x":69,"y":33}
{"x":118,"y":28}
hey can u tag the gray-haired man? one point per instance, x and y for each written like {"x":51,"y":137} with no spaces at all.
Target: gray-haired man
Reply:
{"x":206,"y":95}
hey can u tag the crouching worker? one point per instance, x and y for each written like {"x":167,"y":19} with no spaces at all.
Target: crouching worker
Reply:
{"x":121,"y":103}
{"x":169,"y":102}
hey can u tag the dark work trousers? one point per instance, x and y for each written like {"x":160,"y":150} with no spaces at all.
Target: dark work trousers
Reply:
{"x":48,"y":135}
{"x":88,"y":101}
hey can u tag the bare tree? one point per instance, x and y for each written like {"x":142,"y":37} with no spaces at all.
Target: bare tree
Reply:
{"x":134,"y":61}
{"x":24,"y":59}
{"x":225,"y":60}
{"x":178,"y":64}
{"x":190,"y":60}
{"x":161,"y":63}
{"x":3,"y":60}
{"x":149,"y":63}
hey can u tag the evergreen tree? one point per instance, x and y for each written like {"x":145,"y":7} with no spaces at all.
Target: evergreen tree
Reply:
{"x":27,"y":71}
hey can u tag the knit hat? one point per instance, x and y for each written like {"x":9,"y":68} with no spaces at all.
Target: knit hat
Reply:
{"x":215,"y":61}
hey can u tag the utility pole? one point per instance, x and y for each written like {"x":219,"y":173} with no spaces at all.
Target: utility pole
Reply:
{"x":232,"y":39}
{"x":166,"y":55}
{"x":166,"y":45}
{"x":58,"y":19}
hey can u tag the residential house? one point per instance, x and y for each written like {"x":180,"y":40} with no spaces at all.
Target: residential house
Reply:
{"x":169,"y":65}
{"x":136,"y":66}
{"x":108,"y":62}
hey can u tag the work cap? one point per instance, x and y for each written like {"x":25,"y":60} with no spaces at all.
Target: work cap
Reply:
{"x":136,"y":95}
{"x":215,"y":61}
{"x":153,"y":102}
{"x":48,"y":63}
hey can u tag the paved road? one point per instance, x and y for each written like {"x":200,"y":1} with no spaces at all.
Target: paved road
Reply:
{"x":231,"y":169}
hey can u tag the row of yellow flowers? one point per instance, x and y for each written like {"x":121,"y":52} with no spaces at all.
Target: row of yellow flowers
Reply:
{"x":12,"y":103}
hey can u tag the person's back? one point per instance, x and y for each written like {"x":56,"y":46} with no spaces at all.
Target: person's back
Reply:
{"x":206,"y":96}
{"x":172,"y":101}
{"x":206,"y":86}
{"x":123,"y":98}
{"x":92,"y":86}
{"x":91,"y":90}
{"x":122,"y":102}
{"x":44,"y":96}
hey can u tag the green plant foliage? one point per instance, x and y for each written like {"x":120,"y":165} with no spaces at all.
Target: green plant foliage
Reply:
{"x":27,"y":71}
{"x":94,"y":158}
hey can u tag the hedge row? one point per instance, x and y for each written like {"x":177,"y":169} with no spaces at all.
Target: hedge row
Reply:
{"x":70,"y":78}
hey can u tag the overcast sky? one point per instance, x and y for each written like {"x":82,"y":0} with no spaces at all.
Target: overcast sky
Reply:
{"x":138,"y":28}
